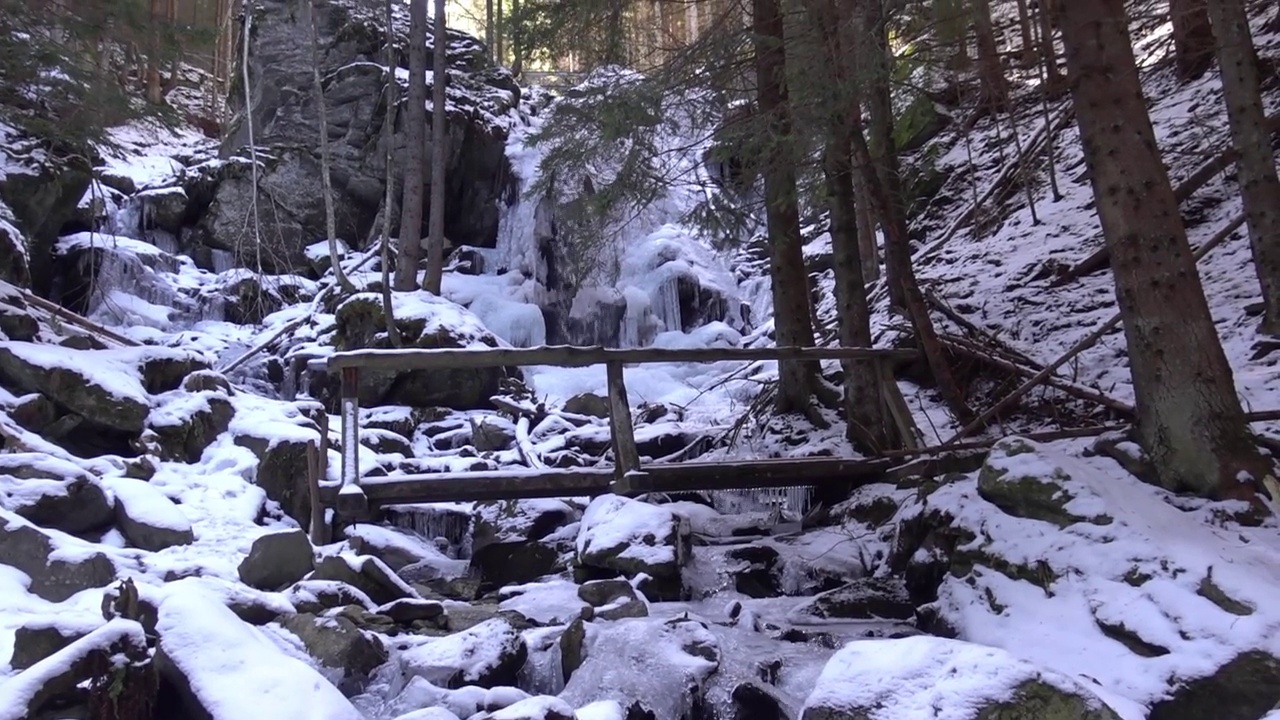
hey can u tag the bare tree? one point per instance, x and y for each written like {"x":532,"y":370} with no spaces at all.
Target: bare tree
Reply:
{"x":415,"y":121}
{"x":1259,"y":186}
{"x":1053,"y":82}
{"x":389,"y":194}
{"x":439,"y":153}
{"x":1190,"y":421}
{"x":326,"y":180}
{"x":995,"y":91}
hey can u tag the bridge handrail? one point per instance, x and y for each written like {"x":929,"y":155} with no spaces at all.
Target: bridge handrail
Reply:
{"x":577,"y":356}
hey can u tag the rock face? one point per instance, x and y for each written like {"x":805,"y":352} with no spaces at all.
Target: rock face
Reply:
{"x":974,"y":682}
{"x":284,"y":114}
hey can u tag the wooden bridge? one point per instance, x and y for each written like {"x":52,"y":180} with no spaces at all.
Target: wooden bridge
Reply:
{"x":356,"y":497}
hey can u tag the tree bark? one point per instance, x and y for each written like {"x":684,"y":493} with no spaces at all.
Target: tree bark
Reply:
{"x":995,"y":91}
{"x":1190,"y":421}
{"x":415,"y":120}
{"x":389,"y":195}
{"x":1192,"y":37}
{"x":1251,"y":136}
{"x":489,"y":30}
{"x":439,"y":153}
{"x":869,"y":250}
{"x":790,"y":281}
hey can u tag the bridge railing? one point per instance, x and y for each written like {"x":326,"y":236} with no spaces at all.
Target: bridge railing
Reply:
{"x":355,"y":496}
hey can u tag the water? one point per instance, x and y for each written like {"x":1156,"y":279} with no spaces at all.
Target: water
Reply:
{"x":435,"y":521}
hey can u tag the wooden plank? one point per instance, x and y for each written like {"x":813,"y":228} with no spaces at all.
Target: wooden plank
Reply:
{"x":482,"y":485}
{"x":571,"y":356}
{"x":626,"y":459}
{"x":351,"y":500}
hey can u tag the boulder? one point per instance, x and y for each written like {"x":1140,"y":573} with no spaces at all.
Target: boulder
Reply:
{"x":633,"y":538}
{"x":350,"y":36}
{"x":53,"y":493}
{"x":588,"y":404}
{"x":31,"y":550}
{"x":514,"y":563}
{"x":1244,"y":688}
{"x":189,"y":423}
{"x":487,"y":655}
{"x":338,"y":644}
{"x":38,"y":639}
{"x":411,"y":610}
{"x":400,"y":549}
{"x":974,"y":682}
{"x":492,"y":434}
{"x":758,"y":572}
{"x":862,"y":599}
{"x":277,"y":559}
{"x":282,"y":466}
{"x":613,"y":599}
{"x":542,"y":707}
{"x":367,"y":574}
{"x":424,"y":321}
{"x":14,"y":267}
{"x":16,"y":320}
{"x":147,"y":518}
{"x":40,"y":191}
{"x":1022,"y":482}
{"x":83,"y":382}
{"x":318,"y":596}
{"x":751,"y":701}
{"x":505,"y":521}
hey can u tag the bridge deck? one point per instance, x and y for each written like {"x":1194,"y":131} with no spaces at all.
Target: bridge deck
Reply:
{"x":665,"y":478}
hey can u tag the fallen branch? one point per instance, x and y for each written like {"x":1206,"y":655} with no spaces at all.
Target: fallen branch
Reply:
{"x":1077,"y":391}
{"x":1101,"y":258}
{"x":525,"y":446}
{"x":1085,"y":343}
{"x":80,"y":321}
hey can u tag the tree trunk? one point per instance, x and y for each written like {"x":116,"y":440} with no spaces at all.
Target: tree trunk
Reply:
{"x":1189,"y":419}
{"x":995,"y":92}
{"x":517,"y":41}
{"x":501,"y":33}
{"x":873,"y":73}
{"x":1053,"y":81}
{"x":415,"y":123}
{"x":1259,"y":186}
{"x":1029,"y":49}
{"x":439,"y":152}
{"x":489,"y":30}
{"x":1192,"y":37}
{"x":326,"y":181}
{"x":886,"y":192}
{"x":389,"y":195}
{"x":869,"y":250}
{"x":790,"y":281}
{"x":949,"y":18}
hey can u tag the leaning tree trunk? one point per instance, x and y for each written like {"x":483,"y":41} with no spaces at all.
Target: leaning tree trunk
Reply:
{"x":866,"y":224}
{"x":1192,"y":37}
{"x":792,"y":325}
{"x":415,"y":123}
{"x":439,"y":153}
{"x":1028,"y":49}
{"x":1189,"y":419}
{"x":1053,"y":80}
{"x":1259,"y":186}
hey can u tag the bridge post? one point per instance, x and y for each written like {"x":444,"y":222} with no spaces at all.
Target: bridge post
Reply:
{"x":351,"y":498}
{"x":626,"y":459}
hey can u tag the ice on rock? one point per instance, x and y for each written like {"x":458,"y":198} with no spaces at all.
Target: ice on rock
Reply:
{"x":519,"y":324}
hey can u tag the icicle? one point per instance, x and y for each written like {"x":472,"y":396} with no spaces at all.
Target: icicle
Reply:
{"x":223,"y":260}
{"x":433,"y":522}
{"x":666,"y":304}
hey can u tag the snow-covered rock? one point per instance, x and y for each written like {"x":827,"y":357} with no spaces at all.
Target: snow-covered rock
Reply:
{"x":486,"y":655}
{"x":632,"y":537}
{"x":277,"y":559}
{"x":53,"y":493}
{"x":227,"y":670}
{"x":918,"y":677}
{"x":147,"y":518}
{"x":57,"y":566}
{"x":337,"y":644}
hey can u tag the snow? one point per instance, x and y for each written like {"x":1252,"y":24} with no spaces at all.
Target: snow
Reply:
{"x":917,"y":677}
{"x":554,"y":602}
{"x":215,"y":651}
{"x":471,"y":653}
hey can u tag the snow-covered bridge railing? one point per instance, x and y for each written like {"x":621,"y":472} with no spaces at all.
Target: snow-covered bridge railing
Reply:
{"x":355,"y":496}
